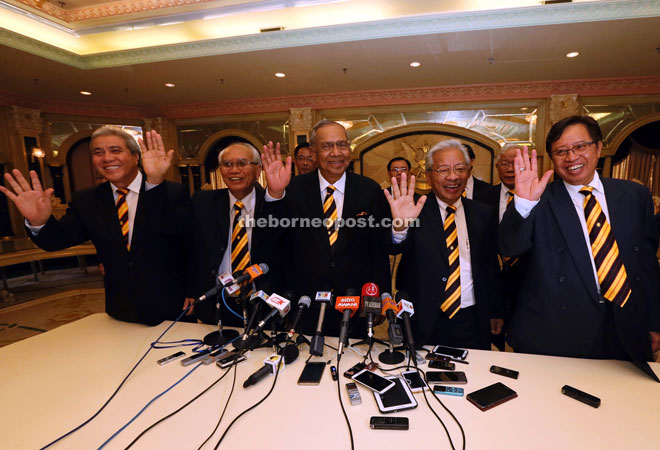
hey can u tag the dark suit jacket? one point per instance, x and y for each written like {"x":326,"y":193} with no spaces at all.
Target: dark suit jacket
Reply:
{"x":427,"y":268}
{"x":558,"y":310}
{"x":147,"y":284}
{"x":479,"y":186}
{"x":360,"y":253}
{"x":210,"y":236}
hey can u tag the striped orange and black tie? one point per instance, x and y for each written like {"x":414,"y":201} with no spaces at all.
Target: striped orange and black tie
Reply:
{"x":609,"y":266}
{"x":452,"y":296}
{"x":509,"y":261}
{"x":122,"y":213}
{"x":330,"y":215}
{"x":240,"y":251}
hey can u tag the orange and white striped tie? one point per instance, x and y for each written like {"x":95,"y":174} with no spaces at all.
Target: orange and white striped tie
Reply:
{"x":122,"y":213}
{"x":611,"y":272}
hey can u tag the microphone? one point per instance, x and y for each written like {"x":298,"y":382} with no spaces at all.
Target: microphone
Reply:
{"x":222,"y":280}
{"x":371,"y":305}
{"x":318,"y":341}
{"x":303,"y":304}
{"x":252,"y":273}
{"x":254,"y":300}
{"x":347,"y":305}
{"x":389,"y":310}
{"x":406,"y":310}
{"x":270,"y":366}
{"x":279,"y":305}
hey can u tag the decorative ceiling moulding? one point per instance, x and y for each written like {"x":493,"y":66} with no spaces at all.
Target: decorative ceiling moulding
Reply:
{"x":29,"y":45}
{"x":406,"y":26}
{"x":482,"y":92}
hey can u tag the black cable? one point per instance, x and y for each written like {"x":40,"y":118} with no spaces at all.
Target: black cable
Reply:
{"x":277,"y":372}
{"x":177,"y":411}
{"x":341,"y":403}
{"x":233,"y":385}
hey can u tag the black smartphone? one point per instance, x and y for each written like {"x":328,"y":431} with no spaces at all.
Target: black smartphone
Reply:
{"x":491,"y":396}
{"x":312,"y":373}
{"x":442,"y":365}
{"x":414,"y":380}
{"x":355,"y":369}
{"x":446,"y":377}
{"x":504,"y":372}
{"x":227,"y":360}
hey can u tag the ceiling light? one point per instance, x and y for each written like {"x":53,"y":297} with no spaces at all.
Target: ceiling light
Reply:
{"x":280,"y":75}
{"x":170,"y":84}
{"x":415,"y":64}
{"x":572,"y":54}
{"x":85,"y":93}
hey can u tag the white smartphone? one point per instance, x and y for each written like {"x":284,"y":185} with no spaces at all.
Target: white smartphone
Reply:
{"x":414,"y":380}
{"x":373,"y":381}
{"x":397,"y":398}
{"x":452,"y":352}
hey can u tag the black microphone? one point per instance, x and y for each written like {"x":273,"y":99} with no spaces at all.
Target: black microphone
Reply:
{"x":251,"y":273}
{"x":348,"y":306}
{"x":255,"y":301}
{"x":393,"y":329}
{"x":289,"y":354}
{"x":318,"y":340}
{"x":279,"y":305}
{"x":221,"y":281}
{"x":406,"y":310}
{"x":303,"y":304}
{"x":371,"y":305}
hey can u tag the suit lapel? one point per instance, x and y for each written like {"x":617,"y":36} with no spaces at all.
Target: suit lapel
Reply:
{"x":221,"y":223}
{"x":435,"y":227}
{"x":569,"y":225}
{"x":619,"y":214}
{"x":315,"y":207}
{"x":109,"y":219}
{"x":349,"y":210}
{"x":474,"y":225}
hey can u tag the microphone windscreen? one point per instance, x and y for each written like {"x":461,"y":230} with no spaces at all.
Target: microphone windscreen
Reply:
{"x":290,"y":353}
{"x":264,"y":267}
{"x":304,"y":301}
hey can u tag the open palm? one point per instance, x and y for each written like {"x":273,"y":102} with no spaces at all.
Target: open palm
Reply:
{"x":33,"y":202}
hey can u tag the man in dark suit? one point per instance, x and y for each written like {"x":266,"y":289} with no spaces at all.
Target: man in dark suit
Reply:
{"x":139,"y":227}
{"x":396,"y":167}
{"x":322,"y":256}
{"x":589,"y":287}
{"x":473,"y":184}
{"x":217,"y":246}
{"x":450,"y":254}
{"x":499,"y":197}
{"x":304,"y":158}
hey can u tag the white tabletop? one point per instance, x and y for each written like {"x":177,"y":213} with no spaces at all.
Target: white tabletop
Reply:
{"x":53,"y":382}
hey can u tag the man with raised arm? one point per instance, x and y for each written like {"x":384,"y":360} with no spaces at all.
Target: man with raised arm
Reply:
{"x":137,"y":223}
{"x":590,"y":285}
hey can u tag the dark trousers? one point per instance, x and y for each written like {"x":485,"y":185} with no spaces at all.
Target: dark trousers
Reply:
{"x":459,"y":331}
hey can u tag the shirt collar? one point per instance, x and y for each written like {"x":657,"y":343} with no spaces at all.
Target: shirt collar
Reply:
{"x":248,"y":201}
{"x":596,"y":183}
{"x":340,"y":184}
{"x":443,"y":206}
{"x":135,"y":185}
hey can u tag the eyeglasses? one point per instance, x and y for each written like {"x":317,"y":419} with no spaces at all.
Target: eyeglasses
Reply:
{"x":241,"y":163}
{"x":341,"y":145}
{"x":505,"y":164}
{"x":578,"y":148}
{"x":304,"y":158}
{"x":399,"y":169}
{"x":446,"y":170}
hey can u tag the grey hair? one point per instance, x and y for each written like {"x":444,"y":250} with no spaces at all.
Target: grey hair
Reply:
{"x":111,"y":130}
{"x":505,"y":148}
{"x":323,"y":123}
{"x":446,"y":145}
{"x":256,"y":156}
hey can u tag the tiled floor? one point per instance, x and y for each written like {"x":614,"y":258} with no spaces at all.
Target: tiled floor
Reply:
{"x":59,"y":297}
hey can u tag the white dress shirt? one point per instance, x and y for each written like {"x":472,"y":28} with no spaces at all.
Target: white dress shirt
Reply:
{"x":524,"y":208}
{"x":340,"y":191}
{"x":504,"y":198}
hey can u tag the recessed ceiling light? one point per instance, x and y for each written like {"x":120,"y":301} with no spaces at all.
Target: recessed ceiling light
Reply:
{"x":280,"y":75}
{"x":572,"y":54}
{"x":85,"y":93}
{"x":170,"y":84}
{"x":415,"y":64}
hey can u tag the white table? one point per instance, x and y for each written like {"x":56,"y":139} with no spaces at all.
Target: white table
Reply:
{"x":52,"y":382}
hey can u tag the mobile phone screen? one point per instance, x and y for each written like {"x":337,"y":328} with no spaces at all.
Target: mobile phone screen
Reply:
{"x":397,"y":396}
{"x":414,"y":380}
{"x":446,"y":377}
{"x":373,"y":381}
{"x":312,"y":373}
{"x":456,"y":353}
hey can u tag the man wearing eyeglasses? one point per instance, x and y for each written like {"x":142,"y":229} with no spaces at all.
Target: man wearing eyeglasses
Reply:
{"x":396,"y":167}
{"x":304,"y":159}
{"x":224,"y":241}
{"x":450,"y":259}
{"x":328,"y":257}
{"x":500,"y":197}
{"x":590,"y":285}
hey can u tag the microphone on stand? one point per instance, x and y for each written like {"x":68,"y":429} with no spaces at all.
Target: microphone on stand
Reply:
{"x":318,"y":340}
{"x":348,"y":306}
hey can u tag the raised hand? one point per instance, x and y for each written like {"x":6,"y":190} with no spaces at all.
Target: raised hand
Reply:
{"x":155,"y":160}
{"x":33,"y":202}
{"x":402,"y":202}
{"x":528,"y":185}
{"x":278,"y":174}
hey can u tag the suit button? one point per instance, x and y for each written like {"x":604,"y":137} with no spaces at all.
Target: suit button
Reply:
{"x":636,"y":248}
{"x":561,"y":279}
{"x":444,"y":279}
{"x":563,"y":307}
